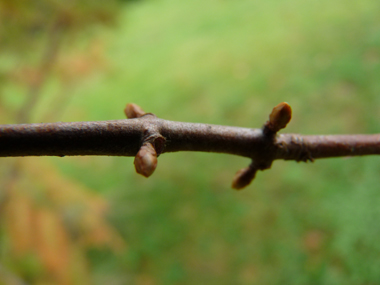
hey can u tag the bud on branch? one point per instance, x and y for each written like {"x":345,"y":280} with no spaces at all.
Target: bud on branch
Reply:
{"x":146,"y":160}
{"x":278,"y":119}
{"x":133,"y":111}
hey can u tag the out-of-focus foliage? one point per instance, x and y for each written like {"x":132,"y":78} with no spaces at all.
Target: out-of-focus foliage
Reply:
{"x":24,"y":23}
{"x":223,"y":62}
{"x":40,"y":37}
{"x":48,"y":221}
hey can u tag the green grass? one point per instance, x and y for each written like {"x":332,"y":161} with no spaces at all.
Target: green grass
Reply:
{"x":230,"y":62}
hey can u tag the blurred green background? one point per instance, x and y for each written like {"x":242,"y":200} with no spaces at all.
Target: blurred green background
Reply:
{"x":93,"y":220}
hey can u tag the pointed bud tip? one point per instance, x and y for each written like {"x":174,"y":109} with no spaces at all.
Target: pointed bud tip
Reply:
{"x":133,"y":111}
{"x":243,"y":178}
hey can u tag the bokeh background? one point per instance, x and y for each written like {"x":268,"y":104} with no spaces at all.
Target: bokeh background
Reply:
{"x":93,"y":220}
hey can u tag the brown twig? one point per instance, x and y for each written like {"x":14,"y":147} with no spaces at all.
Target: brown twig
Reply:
{"x":145,"y":136}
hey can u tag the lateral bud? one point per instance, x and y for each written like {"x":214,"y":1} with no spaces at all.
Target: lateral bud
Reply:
{"x":279,"y":118}
{"x":244,"y":177}
{"x":146,"y":160}
{"x":133,"y":111}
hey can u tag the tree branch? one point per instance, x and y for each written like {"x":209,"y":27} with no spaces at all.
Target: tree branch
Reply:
{"x":145,"y":136}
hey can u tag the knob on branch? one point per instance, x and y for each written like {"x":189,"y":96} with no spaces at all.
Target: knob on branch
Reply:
{"x":152,"y":143}
{"x":278,"y":119}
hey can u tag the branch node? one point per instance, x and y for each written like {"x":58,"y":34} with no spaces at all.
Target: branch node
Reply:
{"x":153,"y":143}
{"x":159,"y":144}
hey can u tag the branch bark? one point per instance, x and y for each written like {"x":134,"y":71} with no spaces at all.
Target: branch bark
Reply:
{"x":127,"y":138}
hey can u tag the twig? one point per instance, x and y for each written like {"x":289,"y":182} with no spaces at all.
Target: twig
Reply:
{"x":145,"y":136}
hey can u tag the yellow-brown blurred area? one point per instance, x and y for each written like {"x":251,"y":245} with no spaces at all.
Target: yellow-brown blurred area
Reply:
{"x":48,"y":220}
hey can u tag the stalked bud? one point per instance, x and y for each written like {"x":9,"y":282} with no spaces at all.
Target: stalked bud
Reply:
{"x":243,"y":177}
{"x":280,"y":117}
{"x":146,"y":160}
{"x":133,"y":111}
